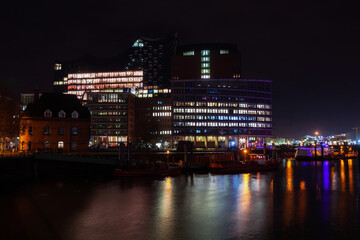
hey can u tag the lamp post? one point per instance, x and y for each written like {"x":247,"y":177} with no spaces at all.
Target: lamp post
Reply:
{"x":316,"y":135}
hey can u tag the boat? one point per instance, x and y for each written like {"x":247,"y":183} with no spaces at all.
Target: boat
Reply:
{"x":256,"y":163}
{"x":147,"y":172}
{"x":308,"y":153}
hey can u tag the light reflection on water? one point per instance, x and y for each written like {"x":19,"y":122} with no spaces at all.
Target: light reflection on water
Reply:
{"x":301,"y":200}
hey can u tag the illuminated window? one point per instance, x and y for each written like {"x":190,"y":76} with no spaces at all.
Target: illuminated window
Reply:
{"x":252,"y":112}
{"x":62,"y":114}
{"x":205,"y":52}
{"x":205,"y":71}
{"x":243,"y":105}
{"x":57,"y":66}
{"x":47,"y":113}
{"x":205,"y":65}
{"x":138,"y":43}
{"x":189,"y":53}
{"x":205,"y":76}
{"x":205,"y":59}
{"x":224,"y":51}
{"x":60,"y":145}
{"x":74,"y":114}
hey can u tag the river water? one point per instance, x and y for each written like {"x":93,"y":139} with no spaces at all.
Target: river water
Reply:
{"x":303,"y":200}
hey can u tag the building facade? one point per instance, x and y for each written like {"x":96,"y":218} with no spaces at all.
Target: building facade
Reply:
{"x":153,"y":119}
{"x":153,"y":55}
{"x":112,"y":119}
{"x":150,"y":55}
{"x":55,"y":122}
{"x":81,"y":84}
{"x":222,"y":113}
{"x":212,"y":60}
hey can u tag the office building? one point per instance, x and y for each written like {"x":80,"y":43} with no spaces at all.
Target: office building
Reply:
{"x":112,"y":119}
{"x":153,"y":119}
{"x":212,"y":60}
{"x":81,"y":84}
{"x":222,"y":113}
{"x":150,"y":55}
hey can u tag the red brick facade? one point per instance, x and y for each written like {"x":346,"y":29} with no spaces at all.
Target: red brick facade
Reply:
{"x":33,"y":135}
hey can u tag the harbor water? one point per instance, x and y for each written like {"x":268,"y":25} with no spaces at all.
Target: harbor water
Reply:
{"x":302,"y":200}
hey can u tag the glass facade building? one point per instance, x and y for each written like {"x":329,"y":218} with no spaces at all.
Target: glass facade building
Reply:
{"x":222,"y":113}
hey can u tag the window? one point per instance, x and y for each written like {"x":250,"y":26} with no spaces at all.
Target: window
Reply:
{"x":47,"y":130}
{"x":205,"y":71}
{"x":62,"y":114}
{"x":60,"y":145}
{"x":57,"y":66}
{"x":74,"y":131}
{"x":73,"y":146}
{"x":29,"y":145}
{"x":30,"y":130}
{"x":224,"y":51}
{"x":205,"y":65}
{"x":46,"y":145}
{"x":205,"y":52}
{"x":61,"y":131}
{"x":47,"y":113}
{"x":75,"y":114}
{"x":189,"y":53}
{"x":205,"y":76}
{"x":205,"y":59}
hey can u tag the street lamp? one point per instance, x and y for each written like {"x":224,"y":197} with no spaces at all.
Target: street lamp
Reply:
{"x":245,"y":151}
{"x":316,"y":134}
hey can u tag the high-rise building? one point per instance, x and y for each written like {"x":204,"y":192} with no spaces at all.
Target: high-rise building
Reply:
{"x":154,"y":57}
{"x":211,"y":105}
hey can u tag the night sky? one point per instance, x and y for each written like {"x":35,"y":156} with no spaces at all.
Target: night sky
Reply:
{"x":310,"y":51}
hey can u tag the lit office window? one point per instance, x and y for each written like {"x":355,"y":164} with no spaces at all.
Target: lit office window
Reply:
{"x":224,"y":51}
{"x":205,"y":65}
{"x":205,"y":76}
{"x":205,"y":52}
{"x":205,"y":59}
{"x":57,"y":67}
{"x":189,"y":53}
{"x":203,"y":71}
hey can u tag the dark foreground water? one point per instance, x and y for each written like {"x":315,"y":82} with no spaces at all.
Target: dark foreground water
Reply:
{"x":300,"y":201}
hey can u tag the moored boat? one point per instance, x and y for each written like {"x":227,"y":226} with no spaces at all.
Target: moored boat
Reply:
{"x":308,"y":153}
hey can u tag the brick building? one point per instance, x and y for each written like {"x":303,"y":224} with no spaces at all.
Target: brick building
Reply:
{"x":55,"y":122}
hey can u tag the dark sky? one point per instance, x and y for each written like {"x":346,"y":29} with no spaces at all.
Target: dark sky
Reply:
{"x":310,"y":50}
